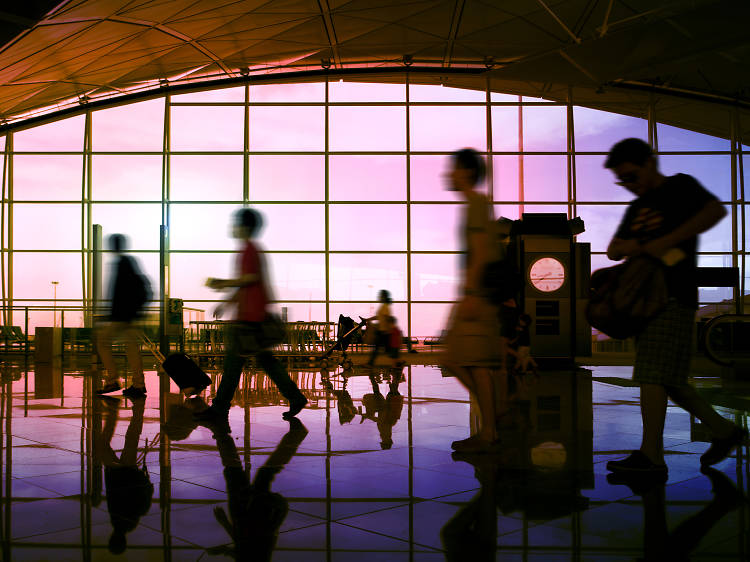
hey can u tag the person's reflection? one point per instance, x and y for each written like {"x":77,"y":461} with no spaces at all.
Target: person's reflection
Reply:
{"x":658,"y":542}
{"x":385,"y":412}
{"x":344,"y":403}
{"x":129,"y":489}
{"x":255,"y":512}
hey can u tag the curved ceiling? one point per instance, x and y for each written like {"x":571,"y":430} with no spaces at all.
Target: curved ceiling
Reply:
{"x":691,"y":57}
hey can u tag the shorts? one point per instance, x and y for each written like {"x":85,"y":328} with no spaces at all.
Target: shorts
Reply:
{"x":664,"y":349}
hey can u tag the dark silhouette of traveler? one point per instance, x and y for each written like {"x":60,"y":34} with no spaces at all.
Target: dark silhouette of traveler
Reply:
{"x":384,"y":329}
{"x":245,"y":335}
{"x":664,"y":221}
{"x":255,"y":512}
{"x":129,"y":292}
{"x":476,"y":372}
{"x":344,"y":403}
{"x":128,"y":487}
{"x":658,"y":543}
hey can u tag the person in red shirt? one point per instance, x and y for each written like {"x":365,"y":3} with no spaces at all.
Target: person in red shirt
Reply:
{"x":245,"y":336}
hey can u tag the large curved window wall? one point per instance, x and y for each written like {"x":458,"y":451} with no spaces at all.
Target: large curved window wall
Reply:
{"x":349,"y":178}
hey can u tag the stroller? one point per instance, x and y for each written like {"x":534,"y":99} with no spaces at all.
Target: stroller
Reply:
{"x":346,"y":331}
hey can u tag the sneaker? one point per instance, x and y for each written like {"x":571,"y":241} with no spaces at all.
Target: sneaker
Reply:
{"x":134,"y":392}
{"x":108,"y":388}
{"x":637,"y":462}
{"x":721,"y":447}
{"x":295,"y":407}
{"x":639,"y":483}
{"x":460,"y":444}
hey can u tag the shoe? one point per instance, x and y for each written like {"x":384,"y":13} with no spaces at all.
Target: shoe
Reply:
{"x":134,"y":392}
{"x":477,"y":445}
{"x":462,"y":443}
{"x":638,"y":463}
{"x":214,"y":419}
{"x":295,"y":407}
{"x":639,"y":483}
{"x":724,"y":490}
{"x":108,"y":388}
{"x":721,"y":447}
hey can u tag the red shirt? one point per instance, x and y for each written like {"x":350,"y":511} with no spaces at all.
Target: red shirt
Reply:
{"x":252,"y":299}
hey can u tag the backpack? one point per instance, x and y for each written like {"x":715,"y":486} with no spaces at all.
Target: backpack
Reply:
{"x":624,"y":298}
{"x":141,"y":291}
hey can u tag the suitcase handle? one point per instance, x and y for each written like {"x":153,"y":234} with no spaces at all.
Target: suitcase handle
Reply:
{"x":152,"y":348}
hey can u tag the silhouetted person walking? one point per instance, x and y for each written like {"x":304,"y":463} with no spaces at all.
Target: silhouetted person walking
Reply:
{"x":129,"y":293}
{"x":664,"y":221}
{"x":245,"y":336}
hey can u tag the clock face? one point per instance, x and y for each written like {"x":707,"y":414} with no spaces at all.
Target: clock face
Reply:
{"x":547,"y":274}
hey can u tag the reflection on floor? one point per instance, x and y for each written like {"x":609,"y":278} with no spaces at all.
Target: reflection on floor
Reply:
{"x":366,"y":473}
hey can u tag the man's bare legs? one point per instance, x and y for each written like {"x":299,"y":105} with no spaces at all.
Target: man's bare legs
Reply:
{"x":653,"y":413}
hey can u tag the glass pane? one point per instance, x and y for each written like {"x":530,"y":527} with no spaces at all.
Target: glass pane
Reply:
{"x":545,"y":129}
{"x":47,"y":314}
{"x":33,"y":274}
{"x":207,"y":128}
{"x":148,"y":263}
{"x":205,"y":178}
{"x":274,"y":93}
{"x":287,"y":128}
{"x":305,"y":312}
{"x":426,"y":92}
{"x":47,"y":177}
{"x":126,"y":177}
{"x":601,"y":222}
{"x":139,"y":222}
{"x":715,"y":294}
{"x":367,"y":227}
{"x":599,"y":261}
{"x":47,"y":227}
{"x":287,"y":178}
{"x":545,"y":178}
{"x":429,"y":179}
{"x":676,"y":139}
{"x":138,"y":126}
{"x":64,"y":135}
{"x":448,"y":128}
{"x":297,"y":276}
{"x":227,"y":95}
{"x":499,"y":97}
{"x":188,"y":274}
{"x":367,"y":178}
{"x":505,"y":170}
{"x":714,"y":172}
{"x":436,"y":227}
{"x":719,"y":237}
{"x":367,"y":128}
{"x":598,"y":131}
{"x":505,"y":129}
{"x":361,"y":276}
{"x":596,"y":183}
{"x":201,"y":227}
{"x":435,"y":277}
{"x":339,"y":91}
{"x":292,"y":227}
{"x":429,"y":320}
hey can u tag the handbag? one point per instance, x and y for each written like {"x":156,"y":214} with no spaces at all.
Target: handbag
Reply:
{"x":473,"y":341}
{"x":624,"y":298}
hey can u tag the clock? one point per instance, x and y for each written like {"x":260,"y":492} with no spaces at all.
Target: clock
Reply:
{"x":547,"y":274}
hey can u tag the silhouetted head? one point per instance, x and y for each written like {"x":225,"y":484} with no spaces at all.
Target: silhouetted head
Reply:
{"x":384,"y":297}
{"x":468,"y":169}
{"x":247,"y":222}
{"x":633,"y":163}
{"x":118,"y":243}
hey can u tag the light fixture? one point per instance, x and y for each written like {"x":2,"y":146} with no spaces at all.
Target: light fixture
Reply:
{"x":163,"y":82}
{"x":325,"y":63}
{"x":408,"y":60}
{"x":244,"y":71}
{"x":83,"y":100}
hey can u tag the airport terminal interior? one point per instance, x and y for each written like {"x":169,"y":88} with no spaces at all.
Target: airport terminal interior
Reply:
{"x":338,"y":122}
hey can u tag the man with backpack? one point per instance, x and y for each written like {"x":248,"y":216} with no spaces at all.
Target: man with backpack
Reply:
{"x":129,"y":293}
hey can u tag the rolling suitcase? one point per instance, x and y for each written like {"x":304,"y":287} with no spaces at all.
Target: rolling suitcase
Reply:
{"x":182,"y":370}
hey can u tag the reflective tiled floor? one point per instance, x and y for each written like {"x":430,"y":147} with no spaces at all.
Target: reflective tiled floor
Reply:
{"x":363,"y":475}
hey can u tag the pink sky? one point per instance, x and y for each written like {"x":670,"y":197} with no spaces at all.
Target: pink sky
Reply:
{"x":298,"y":181}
